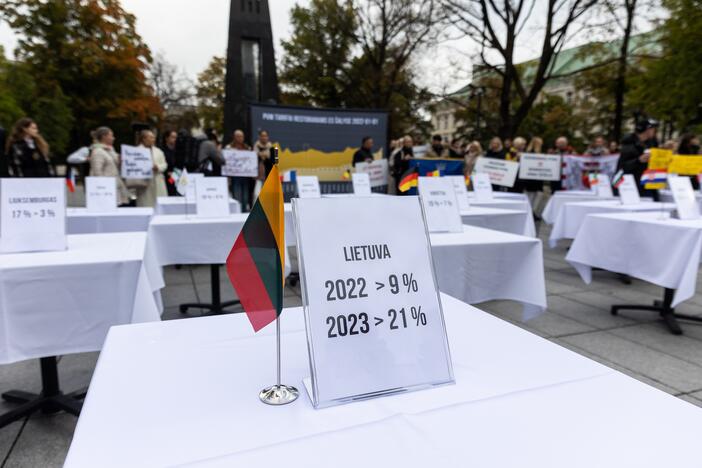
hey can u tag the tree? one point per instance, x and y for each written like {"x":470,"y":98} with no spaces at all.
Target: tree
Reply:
{"x":669,"y":88}
{"x":315,"y":64}
{"x":170,"y":85}
{"x":89,"y":51}
{"x":210,"y":93}
{"x":495,"y":26}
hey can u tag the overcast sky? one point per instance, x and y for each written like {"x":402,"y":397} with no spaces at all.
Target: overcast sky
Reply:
{"x":189,"y":33}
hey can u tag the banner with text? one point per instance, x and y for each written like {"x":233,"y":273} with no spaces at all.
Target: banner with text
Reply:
{"x":577,"y":169}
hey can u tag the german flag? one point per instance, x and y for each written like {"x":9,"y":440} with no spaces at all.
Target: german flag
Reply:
{"x":410,"y":179}
{"x":255,"y":264}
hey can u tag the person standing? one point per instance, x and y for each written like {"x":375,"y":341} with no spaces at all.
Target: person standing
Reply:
{"x":597,"y":148}
{"x":401,"y":159}
{"x":473,"y":152}
{"x":242,"y":187}
{"x":364,"y":153}
{"x":535,"y":188}
{"x":437,"y":148}
{"x":456,"y":150}
{"x":156,"y":186}
{"x":495,"y":149}
{"x":634,"y":156}
{"x":169,"y":151}
{"x":562,"y":148}
{"x":209,"y":156}
{"x":104,"y":161}
{"x":27,"y":151}
{"x":263,"y":148}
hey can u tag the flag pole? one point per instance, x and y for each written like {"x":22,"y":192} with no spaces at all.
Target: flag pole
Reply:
{"x":278,"y":394}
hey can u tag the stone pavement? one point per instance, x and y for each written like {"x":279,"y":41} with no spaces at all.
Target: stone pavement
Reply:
{"x":578,"y":318}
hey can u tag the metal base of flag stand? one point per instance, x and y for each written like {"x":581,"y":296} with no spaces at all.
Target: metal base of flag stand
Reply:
{"x":217,"y":306}
{"x":663,"y":307}
{"x":50,"y":400}
{"x":278,"y":394}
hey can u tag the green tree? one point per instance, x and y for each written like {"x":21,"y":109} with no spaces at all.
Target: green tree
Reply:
{"x":88,"y":53}
{"x":315,"y":64}
{"x":669,"y":88}
{"x":210,"y":94}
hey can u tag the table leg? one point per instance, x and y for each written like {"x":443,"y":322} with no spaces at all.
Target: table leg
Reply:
{"x":216,"y":306}
{"x":664,"y":309}
{"x":50,"y":400}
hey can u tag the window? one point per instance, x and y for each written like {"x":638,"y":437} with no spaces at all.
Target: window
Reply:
{"x":251,"y":69}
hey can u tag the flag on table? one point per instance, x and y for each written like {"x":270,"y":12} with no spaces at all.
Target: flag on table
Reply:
{"x":182,"y":181}
{"x":346,"y":175}
{"x":289,"y":176}
{"x":71,"y":179}
{"x":654,"y":179}
{"x":592,"y":179}
{"x":409,"y":179}
{"x":618,"y":179}
{"x":434,"y":173}
{"x":255,"y":264}
{"x":467,"y":180}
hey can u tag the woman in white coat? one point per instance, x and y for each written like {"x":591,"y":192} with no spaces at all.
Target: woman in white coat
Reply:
{"x":157,"y":185}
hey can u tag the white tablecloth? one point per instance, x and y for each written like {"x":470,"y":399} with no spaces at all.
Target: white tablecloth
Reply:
{"x":571,"y":215}
{"x":176,"y":205}
{"x":557,"y":200}
{"x":191,"y":240}
{"x":665,"y":252}
{"x":55,"y":303}
{"x":512,"y":221}
{"x":667,"y":196}
{"x":503,"y":203}
{"x":82,"y":221}
{"x":185,"y":392}
{"x":481,"y":265}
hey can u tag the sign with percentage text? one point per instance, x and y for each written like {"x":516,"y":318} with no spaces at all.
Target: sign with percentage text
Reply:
{"x":32,"y":215}
{"x":374,"y":321}
{"x":212,"y":197}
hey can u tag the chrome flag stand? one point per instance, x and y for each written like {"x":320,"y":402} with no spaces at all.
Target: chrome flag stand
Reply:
{"x":278,"y":394}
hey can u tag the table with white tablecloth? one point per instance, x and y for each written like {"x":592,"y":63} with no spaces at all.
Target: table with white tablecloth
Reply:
{"x":512,"y":221}
{"x":556,"y":200}
{"x":481,"y":265}
{"x":571,"y":215}
{"x":177,"y":205}
{"x":502,"y":203}
{"x":667,"y":196}
{"x":650,"y":246}
{"x":513,"y":390}
{"x":64,"y":302}
{"x":83,"y":221}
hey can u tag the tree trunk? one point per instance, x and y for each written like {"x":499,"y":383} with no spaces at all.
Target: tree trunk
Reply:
{"x":620,"y":85}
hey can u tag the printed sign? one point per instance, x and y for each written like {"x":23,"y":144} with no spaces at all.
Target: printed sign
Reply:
{"x":482,"y":187}
{"x":377,"y":171}
{"x":603,"y":187}
{"x":500,"y":171}
{"x":374,"y":321}
{"x":308,"y":187}
{"x":534,"y":166}
{"x":628,"y":192}
{"x":211,"y":197}
{"x":101,"y":194}
{"x":576,"y":169}
{"x":136,"y":162}
{"x":660,"y":158}
{"x":361,"y":184}
{"x":459,"y":188}
{"x":440,"y":205}
{"x":32,"y":215}
{"x":685,"y":202}
{"x":685,"y":165}
{"x":240,"y":163}
{"x":193,"y":177}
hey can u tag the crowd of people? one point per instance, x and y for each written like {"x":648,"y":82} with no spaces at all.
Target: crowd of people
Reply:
{"x":27,"y":154}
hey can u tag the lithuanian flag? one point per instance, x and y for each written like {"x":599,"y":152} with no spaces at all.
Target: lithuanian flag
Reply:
{"x":409,"y":180}
{"x":255,"y":264}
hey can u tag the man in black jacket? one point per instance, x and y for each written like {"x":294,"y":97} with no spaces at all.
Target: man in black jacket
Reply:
{"x":364,"y":153}
{"x":634,"y":156}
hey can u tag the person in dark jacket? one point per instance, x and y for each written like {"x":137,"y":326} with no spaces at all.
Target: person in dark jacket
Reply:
{"x":437,"y":148}
{"x":495,"y":149}
{"x":209,"y":155}
{"x":401,"y":160}
{"x":634,"y":156}
{"x":169,"y":151}
{"x":27,"y":151}
{"x":364,"y":153}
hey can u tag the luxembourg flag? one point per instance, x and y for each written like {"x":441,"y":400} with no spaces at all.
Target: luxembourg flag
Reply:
{"x":654,"y":179}
{"x":71,"y":179}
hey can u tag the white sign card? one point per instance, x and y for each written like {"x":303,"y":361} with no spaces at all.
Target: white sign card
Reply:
{"x":482,"y":187}
{"x":101,"y":194}
{"x":377,"y":171}
{"x":373,"y":315}
{"x":459,"y":188}
{"x":533,"y":166}
{"x":136,"y":162}
{"x":684,"y":196}
{"x":212,"y":197}
{"x":628,"y":192}
{"x":361,"y":184}
{"x":240,"y":163}
{"x":500,"y":171}
{"x":440,"y":205}
{"x":193,"y":177}
{"x":308,"y":187}
{"x":32,"y":215}
{"x":603,"y":188}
